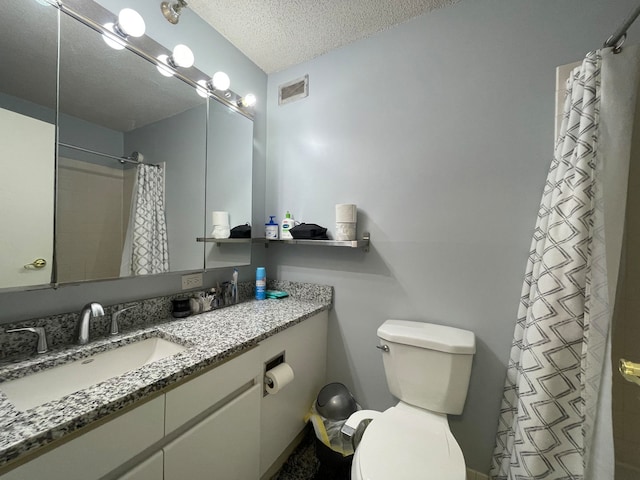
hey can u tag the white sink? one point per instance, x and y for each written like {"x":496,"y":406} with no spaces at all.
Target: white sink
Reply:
{"x":52,"y":384}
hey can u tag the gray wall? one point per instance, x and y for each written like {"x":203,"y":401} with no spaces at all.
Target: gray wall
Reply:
{"x":440,"y":130}
{"x":212,"y":53}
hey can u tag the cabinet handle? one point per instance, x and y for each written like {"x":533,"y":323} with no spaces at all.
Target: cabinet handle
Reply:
{"x":37,"y":264}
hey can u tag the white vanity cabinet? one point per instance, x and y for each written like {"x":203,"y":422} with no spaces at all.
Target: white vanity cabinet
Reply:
{"x":224,"y":445}
{"x":217,"y":418}
{"x":217,"y":424}
{"x":95,"y":453}
{"x":282,"y":415}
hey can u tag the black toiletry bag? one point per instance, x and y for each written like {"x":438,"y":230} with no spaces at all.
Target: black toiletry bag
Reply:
{"x":241,"y":231}
{"x":309,"y":231}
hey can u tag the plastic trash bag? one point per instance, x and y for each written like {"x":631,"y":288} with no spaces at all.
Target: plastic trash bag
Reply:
{"x":328,"y":432}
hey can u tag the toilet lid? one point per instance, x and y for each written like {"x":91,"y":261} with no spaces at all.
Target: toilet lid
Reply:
{"x":405,"y":445}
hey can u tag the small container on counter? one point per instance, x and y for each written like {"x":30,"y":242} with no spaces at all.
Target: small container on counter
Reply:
{"x":261,"y":283}
{"x":271,"y":229}
{"x":180,"y":307}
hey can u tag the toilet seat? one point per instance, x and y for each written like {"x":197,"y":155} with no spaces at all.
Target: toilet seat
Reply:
{"x":408,"y":443}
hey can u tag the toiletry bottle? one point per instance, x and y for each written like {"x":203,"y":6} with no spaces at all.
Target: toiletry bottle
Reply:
{"x":261,"y":283}
{"x":271,"y":229}
{"x":287,"y":223}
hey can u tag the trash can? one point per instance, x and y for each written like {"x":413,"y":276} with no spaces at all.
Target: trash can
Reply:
{"x":328,"y":414}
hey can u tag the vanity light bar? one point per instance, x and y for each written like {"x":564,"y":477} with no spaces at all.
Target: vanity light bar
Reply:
{"x":73,"y":8}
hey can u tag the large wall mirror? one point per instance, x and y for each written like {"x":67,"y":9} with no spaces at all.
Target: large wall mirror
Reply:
{"x":112,"y":104}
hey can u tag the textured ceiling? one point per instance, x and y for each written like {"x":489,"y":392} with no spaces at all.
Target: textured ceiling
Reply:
{"x":276,"y":34}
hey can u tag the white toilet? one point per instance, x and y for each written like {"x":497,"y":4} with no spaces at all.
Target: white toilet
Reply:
{"x":428,"y":369}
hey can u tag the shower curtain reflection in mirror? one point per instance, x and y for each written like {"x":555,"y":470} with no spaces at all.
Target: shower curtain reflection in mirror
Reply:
{"x":145,"y":246}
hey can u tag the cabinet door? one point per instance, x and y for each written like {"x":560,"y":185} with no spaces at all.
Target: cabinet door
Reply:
{"x":282,"y":414}
{"x":224,"y":446}
{"x":150,"y":469}
{"x":95,"y":453}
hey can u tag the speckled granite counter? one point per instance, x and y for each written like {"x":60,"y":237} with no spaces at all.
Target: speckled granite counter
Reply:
{"x":210,"y":337}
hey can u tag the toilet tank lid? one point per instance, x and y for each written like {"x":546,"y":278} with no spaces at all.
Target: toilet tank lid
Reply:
{"x":428,"y":335}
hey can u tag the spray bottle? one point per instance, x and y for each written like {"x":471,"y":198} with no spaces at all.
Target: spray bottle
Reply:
{"x":261,"y":283}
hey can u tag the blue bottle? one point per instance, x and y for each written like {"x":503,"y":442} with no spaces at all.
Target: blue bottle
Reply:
{"x":261,"y":283}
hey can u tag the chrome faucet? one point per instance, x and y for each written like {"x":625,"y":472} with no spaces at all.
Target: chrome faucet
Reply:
{"x":115,"y":328}
{"x":39,"y":331}
{"x":89,"y":311}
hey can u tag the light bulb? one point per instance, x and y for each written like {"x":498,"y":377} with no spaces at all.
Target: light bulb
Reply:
{"x":162,"y":66}
{"x":221,"y":81}
{"x":130,"y":23}
{"x":183,"y":56}
{"x":203,"y":89}
{"x":249,"y":100}
{"x":112,"y":40}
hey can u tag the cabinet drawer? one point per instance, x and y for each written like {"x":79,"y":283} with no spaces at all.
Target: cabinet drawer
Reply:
{"x":97,"y":452}
{"x":197,"y":395}
{"x":225,"y":445}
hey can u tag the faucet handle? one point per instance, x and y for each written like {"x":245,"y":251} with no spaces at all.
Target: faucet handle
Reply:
{"x":42,"y":336}
{"x":115,"y":329}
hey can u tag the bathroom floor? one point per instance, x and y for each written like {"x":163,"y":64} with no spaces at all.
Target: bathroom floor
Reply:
{"x":303,"y":464}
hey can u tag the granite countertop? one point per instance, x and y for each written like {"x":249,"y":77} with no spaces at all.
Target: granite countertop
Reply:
{"x":210,"y":337}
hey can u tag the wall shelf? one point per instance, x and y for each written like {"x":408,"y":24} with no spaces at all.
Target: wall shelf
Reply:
{"x":363,"y":244}
{"x":218,"y":241}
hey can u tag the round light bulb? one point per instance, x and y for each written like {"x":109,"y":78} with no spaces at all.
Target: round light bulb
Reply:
{"x":131,"y":22}
{"x":221,"y":81}
{"x":183,"y":56}
{"x":112,"y":41}
{"x":202,"y":90}
{"x":249,"y":100}
{"x":162,"y":68}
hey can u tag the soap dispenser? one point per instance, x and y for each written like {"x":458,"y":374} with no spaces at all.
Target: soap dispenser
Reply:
{"x":271,"y":229}
{"x":287,"y":224}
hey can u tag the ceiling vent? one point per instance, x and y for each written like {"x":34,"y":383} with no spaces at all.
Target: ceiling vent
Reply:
{"x":294,"y":90}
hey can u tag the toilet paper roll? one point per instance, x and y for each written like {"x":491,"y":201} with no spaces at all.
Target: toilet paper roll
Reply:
{"x":221,"y":231}
{"x":345,"y":231}
{"x":346,"y":213}
{"x":277,"y":378}
{"x":221,"y":218}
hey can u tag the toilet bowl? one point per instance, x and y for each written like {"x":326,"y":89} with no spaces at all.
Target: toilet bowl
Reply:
{"x":407,"y":443}
{"x":428,"y":369}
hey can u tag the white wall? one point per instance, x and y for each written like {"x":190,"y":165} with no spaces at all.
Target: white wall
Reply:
{"x":441,"y":130}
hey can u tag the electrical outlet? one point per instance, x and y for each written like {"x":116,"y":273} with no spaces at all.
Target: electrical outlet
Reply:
{"x":193,"y":280}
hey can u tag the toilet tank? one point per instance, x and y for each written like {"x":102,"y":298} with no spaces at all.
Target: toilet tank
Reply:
{"x":427,"y":365}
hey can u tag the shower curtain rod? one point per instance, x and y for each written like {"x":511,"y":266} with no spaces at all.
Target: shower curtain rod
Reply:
{"x":131,"y":159}
{"x":621,"y":32}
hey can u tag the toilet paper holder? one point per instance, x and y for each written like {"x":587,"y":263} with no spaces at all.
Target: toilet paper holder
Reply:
{"x":268,"y":365}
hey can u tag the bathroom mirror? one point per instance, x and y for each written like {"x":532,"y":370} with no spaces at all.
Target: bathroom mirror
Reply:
{"x":28,"y":33}
{"x":115,"y":103}
{"x":229,"y":170}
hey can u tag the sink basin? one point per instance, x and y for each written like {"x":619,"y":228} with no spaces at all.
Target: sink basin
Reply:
{"x":52,"y":384}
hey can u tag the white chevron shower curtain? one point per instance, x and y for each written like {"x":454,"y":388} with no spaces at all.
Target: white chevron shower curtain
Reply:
{"x":555,"y":417}
{"x":146,"y":247}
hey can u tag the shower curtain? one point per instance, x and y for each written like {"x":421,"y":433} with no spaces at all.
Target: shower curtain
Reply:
{"x":555,"y":417}
{"x":146,"y":247}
